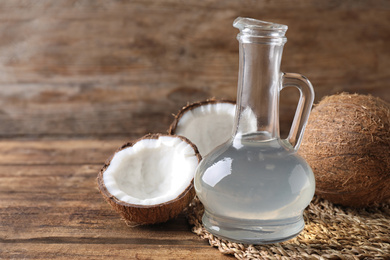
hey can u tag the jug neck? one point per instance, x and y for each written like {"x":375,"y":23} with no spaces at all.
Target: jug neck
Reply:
{"x":260,"y":51}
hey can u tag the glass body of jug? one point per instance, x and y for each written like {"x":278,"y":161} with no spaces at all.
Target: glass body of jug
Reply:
{"x":255,"y":187}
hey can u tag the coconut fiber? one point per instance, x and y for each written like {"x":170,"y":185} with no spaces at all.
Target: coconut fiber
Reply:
{"x":331,"y":232}
{"x":347,"y":144}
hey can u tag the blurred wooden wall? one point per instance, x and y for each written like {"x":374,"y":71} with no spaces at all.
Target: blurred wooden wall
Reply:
{"x":120,"y":69}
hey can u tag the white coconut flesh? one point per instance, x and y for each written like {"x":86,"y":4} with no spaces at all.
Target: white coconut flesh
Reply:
{"x":152,"y":171}
{"x":211,"y":125}
{"x":207,"y":126}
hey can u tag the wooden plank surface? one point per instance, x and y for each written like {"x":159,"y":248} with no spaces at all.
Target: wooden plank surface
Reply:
{"x":50,"y":208}
{"x":101,"y":69}
{"x":78,"y":78}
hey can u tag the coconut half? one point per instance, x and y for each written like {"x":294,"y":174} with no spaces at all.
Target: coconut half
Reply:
{"x":150,"y":180}
{"x":210,"y":123}
{"x":207,"y":124}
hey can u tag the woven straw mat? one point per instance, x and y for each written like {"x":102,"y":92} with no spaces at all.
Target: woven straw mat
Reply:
{"x":331,"y":232}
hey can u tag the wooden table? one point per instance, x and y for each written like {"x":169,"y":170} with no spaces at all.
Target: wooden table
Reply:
{"x":78,"y":78}
{"x":50,"y":208}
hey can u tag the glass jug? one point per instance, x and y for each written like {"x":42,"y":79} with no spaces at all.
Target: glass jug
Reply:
{"x":255,"y":187}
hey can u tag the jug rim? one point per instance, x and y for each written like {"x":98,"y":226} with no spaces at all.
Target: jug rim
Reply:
{"x":242,"y":23}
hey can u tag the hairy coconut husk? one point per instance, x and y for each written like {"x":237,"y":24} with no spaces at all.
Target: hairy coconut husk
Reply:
{"x":347,"y":144}
{"x":148,"y":214}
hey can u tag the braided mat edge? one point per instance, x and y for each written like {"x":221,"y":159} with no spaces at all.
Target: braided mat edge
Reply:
{"x":331,"y":232}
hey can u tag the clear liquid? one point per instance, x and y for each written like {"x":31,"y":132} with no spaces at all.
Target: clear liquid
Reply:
{"x":254,"y":191}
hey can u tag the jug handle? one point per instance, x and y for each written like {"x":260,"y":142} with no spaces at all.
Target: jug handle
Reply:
{"x":303,"y":108}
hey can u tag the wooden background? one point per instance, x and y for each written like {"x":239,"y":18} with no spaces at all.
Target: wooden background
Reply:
{"x":79,"y":78}
{"x":120,"y":69}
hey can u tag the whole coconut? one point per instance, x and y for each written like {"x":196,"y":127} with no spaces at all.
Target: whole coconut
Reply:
{"x":347,"y":144}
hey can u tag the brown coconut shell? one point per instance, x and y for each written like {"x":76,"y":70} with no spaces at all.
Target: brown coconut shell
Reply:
{"x":188,"y":107}
{"x":347,"y":144}
{"x":148,"y":214}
